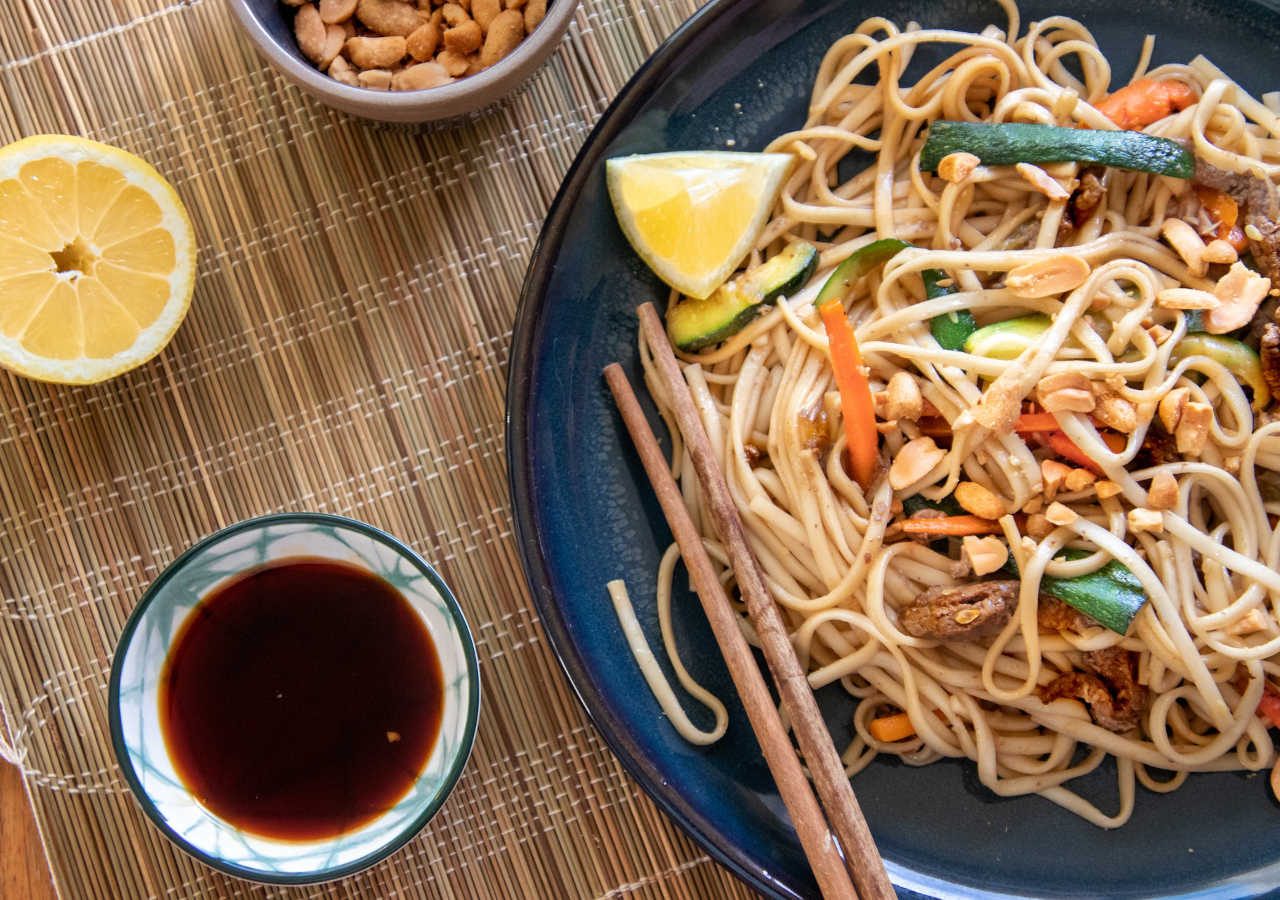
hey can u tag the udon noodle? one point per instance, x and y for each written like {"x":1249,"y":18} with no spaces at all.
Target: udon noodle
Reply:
{"x":836,"y":559}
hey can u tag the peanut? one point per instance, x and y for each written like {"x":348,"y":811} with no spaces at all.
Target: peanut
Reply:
{"x":1039,"y":179}
{"x":485,"y":11}
{"x":1114,"y":411}
{"x":375,"y":79}
{"x":914,"y":461}
{"x":1039,"y":526}
{"x":534,"y":11}
{"x":902,"y":398}
{"x":1046,"y":277}
{"x":1060,"y":515}
{"x":986,"y":555}
{"x":515,"y":4}
{"x":454,"y":15}
{"x":1106,"y":489}
{"x":375,"y":52}
{"x":1220,"y":251}
{"x":464,"y":38}
{"x":505,"y":32}
{"x":1065,"y":391}
{"x":388,"y":17}
{"x":1053,"y":474}
{"x":423,"y":75}
{"x":1186,"y":298}
{"x":1163,"y":491}
{"x":978,"y":500}
{"x":340,"y":70}
{"x":1149,"y":520}
{"x":333,"y":12}
{"x":294,"y":2}
{"x":1079,"y":479}
{"x":956,"y":167}
{"x":1183,"y":239}
{"x":1192,"y":432}
{"x":473,"y":64}
{"x":1239,"y":292}
{"x":422,"y":43}
{"x":1170,"y":408}
{"x":310,"y":32}
{"x":334,"y":38}
{"x":454,"y":63}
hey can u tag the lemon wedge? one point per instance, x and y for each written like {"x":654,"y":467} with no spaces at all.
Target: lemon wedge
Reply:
{"x":97,"y":260}
{"x":694,"y":216}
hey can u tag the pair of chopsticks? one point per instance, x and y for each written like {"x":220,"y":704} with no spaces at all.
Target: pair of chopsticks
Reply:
{"x":842,"y":813}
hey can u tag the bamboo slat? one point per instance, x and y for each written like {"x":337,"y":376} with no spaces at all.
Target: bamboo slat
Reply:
{"x":346,"y":352}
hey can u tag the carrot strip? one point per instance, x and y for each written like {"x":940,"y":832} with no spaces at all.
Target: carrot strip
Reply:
{"x":888,"y":729}
{"x":1033,"y":423}
{"x":1268,"y":706}
{"x":1145,"y":101}
{"x":956,"y":526}
{"x":1062,"y":445}
{"x":855,"y":394}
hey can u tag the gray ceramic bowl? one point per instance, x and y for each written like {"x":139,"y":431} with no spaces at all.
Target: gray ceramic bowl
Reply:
{"x":269,"y":24}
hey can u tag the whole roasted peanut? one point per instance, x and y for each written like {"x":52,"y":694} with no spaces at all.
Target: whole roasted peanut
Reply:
{"x":464,"y":38}
{"x":534,"y":11}
{"x":423,"y":42}
{"x":485,"y":11}
{"x":334,"y":38}
{"x":388,"y":17}
{"x":310,"y":32}
{"x":454,"y":15}
{"x":454,"y":63}
{"x":423,"y":75}
{"x":473,"y":64}
{"x":375,"y":79}
{"x":914,"y":461}
{"x":515,"y":4}
{"x":505,"y":32}
{"x":333,"y":12}
{"x":1049,"y":276}
{"x":340,"y":70}
{"x":375,"y":52}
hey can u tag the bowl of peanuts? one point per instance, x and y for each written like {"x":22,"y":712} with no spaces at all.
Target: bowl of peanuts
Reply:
{"x":406,"y":60}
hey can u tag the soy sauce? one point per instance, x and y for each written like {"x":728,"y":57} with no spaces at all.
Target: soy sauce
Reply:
{"x":301,"y":699}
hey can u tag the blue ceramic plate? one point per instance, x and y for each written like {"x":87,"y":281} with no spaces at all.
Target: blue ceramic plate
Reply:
{"x":741,"y":71}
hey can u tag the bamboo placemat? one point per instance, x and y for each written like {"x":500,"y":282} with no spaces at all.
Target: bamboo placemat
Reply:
{"x":346,"y":351}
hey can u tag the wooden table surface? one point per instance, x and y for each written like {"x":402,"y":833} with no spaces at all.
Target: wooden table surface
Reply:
{"x":24,"y":872}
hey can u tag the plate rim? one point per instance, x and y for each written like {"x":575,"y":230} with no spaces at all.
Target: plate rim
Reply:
{"x":530,"y":303}
{"x":531,"y":300}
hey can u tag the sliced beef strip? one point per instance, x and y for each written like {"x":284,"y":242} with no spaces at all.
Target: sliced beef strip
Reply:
{"x":1109,"y":689}
{"x":963,"y":613}
{"x":1269,"y":350}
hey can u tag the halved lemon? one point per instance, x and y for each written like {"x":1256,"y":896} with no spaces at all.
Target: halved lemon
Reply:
{"x":97,"y":260}
{"x":694,"y":216}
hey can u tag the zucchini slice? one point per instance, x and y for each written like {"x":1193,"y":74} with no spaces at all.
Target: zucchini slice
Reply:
{"x":1008,"y":339}
{"x":693,"y":324}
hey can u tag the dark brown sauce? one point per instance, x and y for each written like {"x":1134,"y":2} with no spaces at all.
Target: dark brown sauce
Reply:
{"x":302,"y":699}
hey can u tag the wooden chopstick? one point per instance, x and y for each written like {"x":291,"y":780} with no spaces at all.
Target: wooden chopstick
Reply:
{"x":798,"y":702}
{"x":819,"y":846}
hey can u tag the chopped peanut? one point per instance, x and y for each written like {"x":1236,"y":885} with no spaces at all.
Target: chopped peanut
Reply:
{"x":1039,"y":526}
{"x":1192,"y":432}
{"x":1186,"y":298}
{"x":1159,"y":334}
{"x":1220,"y":252}
{"x":1079,"y":479}
{"x":1039,"y":179}
{"x":986,"y":554}
{"x":1239,"y":293}
{"x":1048,"y":276}
{"x":1034,"y":505}
{"x":1184,"y":240}
{"x":1060,"y":515}
{"x":978,"y":500}
{"x":1106,"y":489}
{"x":956,"y":167}
{"x":914,"y":461}
{"x":1054,"y":474}
{"x":902,"y":398}
{"x":1250,"y":623}
{"x":1065,"y":391}
{"x":1170,"y":408}
{"x":1149,"y":520}
{"x":1162,"y":492}
{"x":1113,"y":410}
